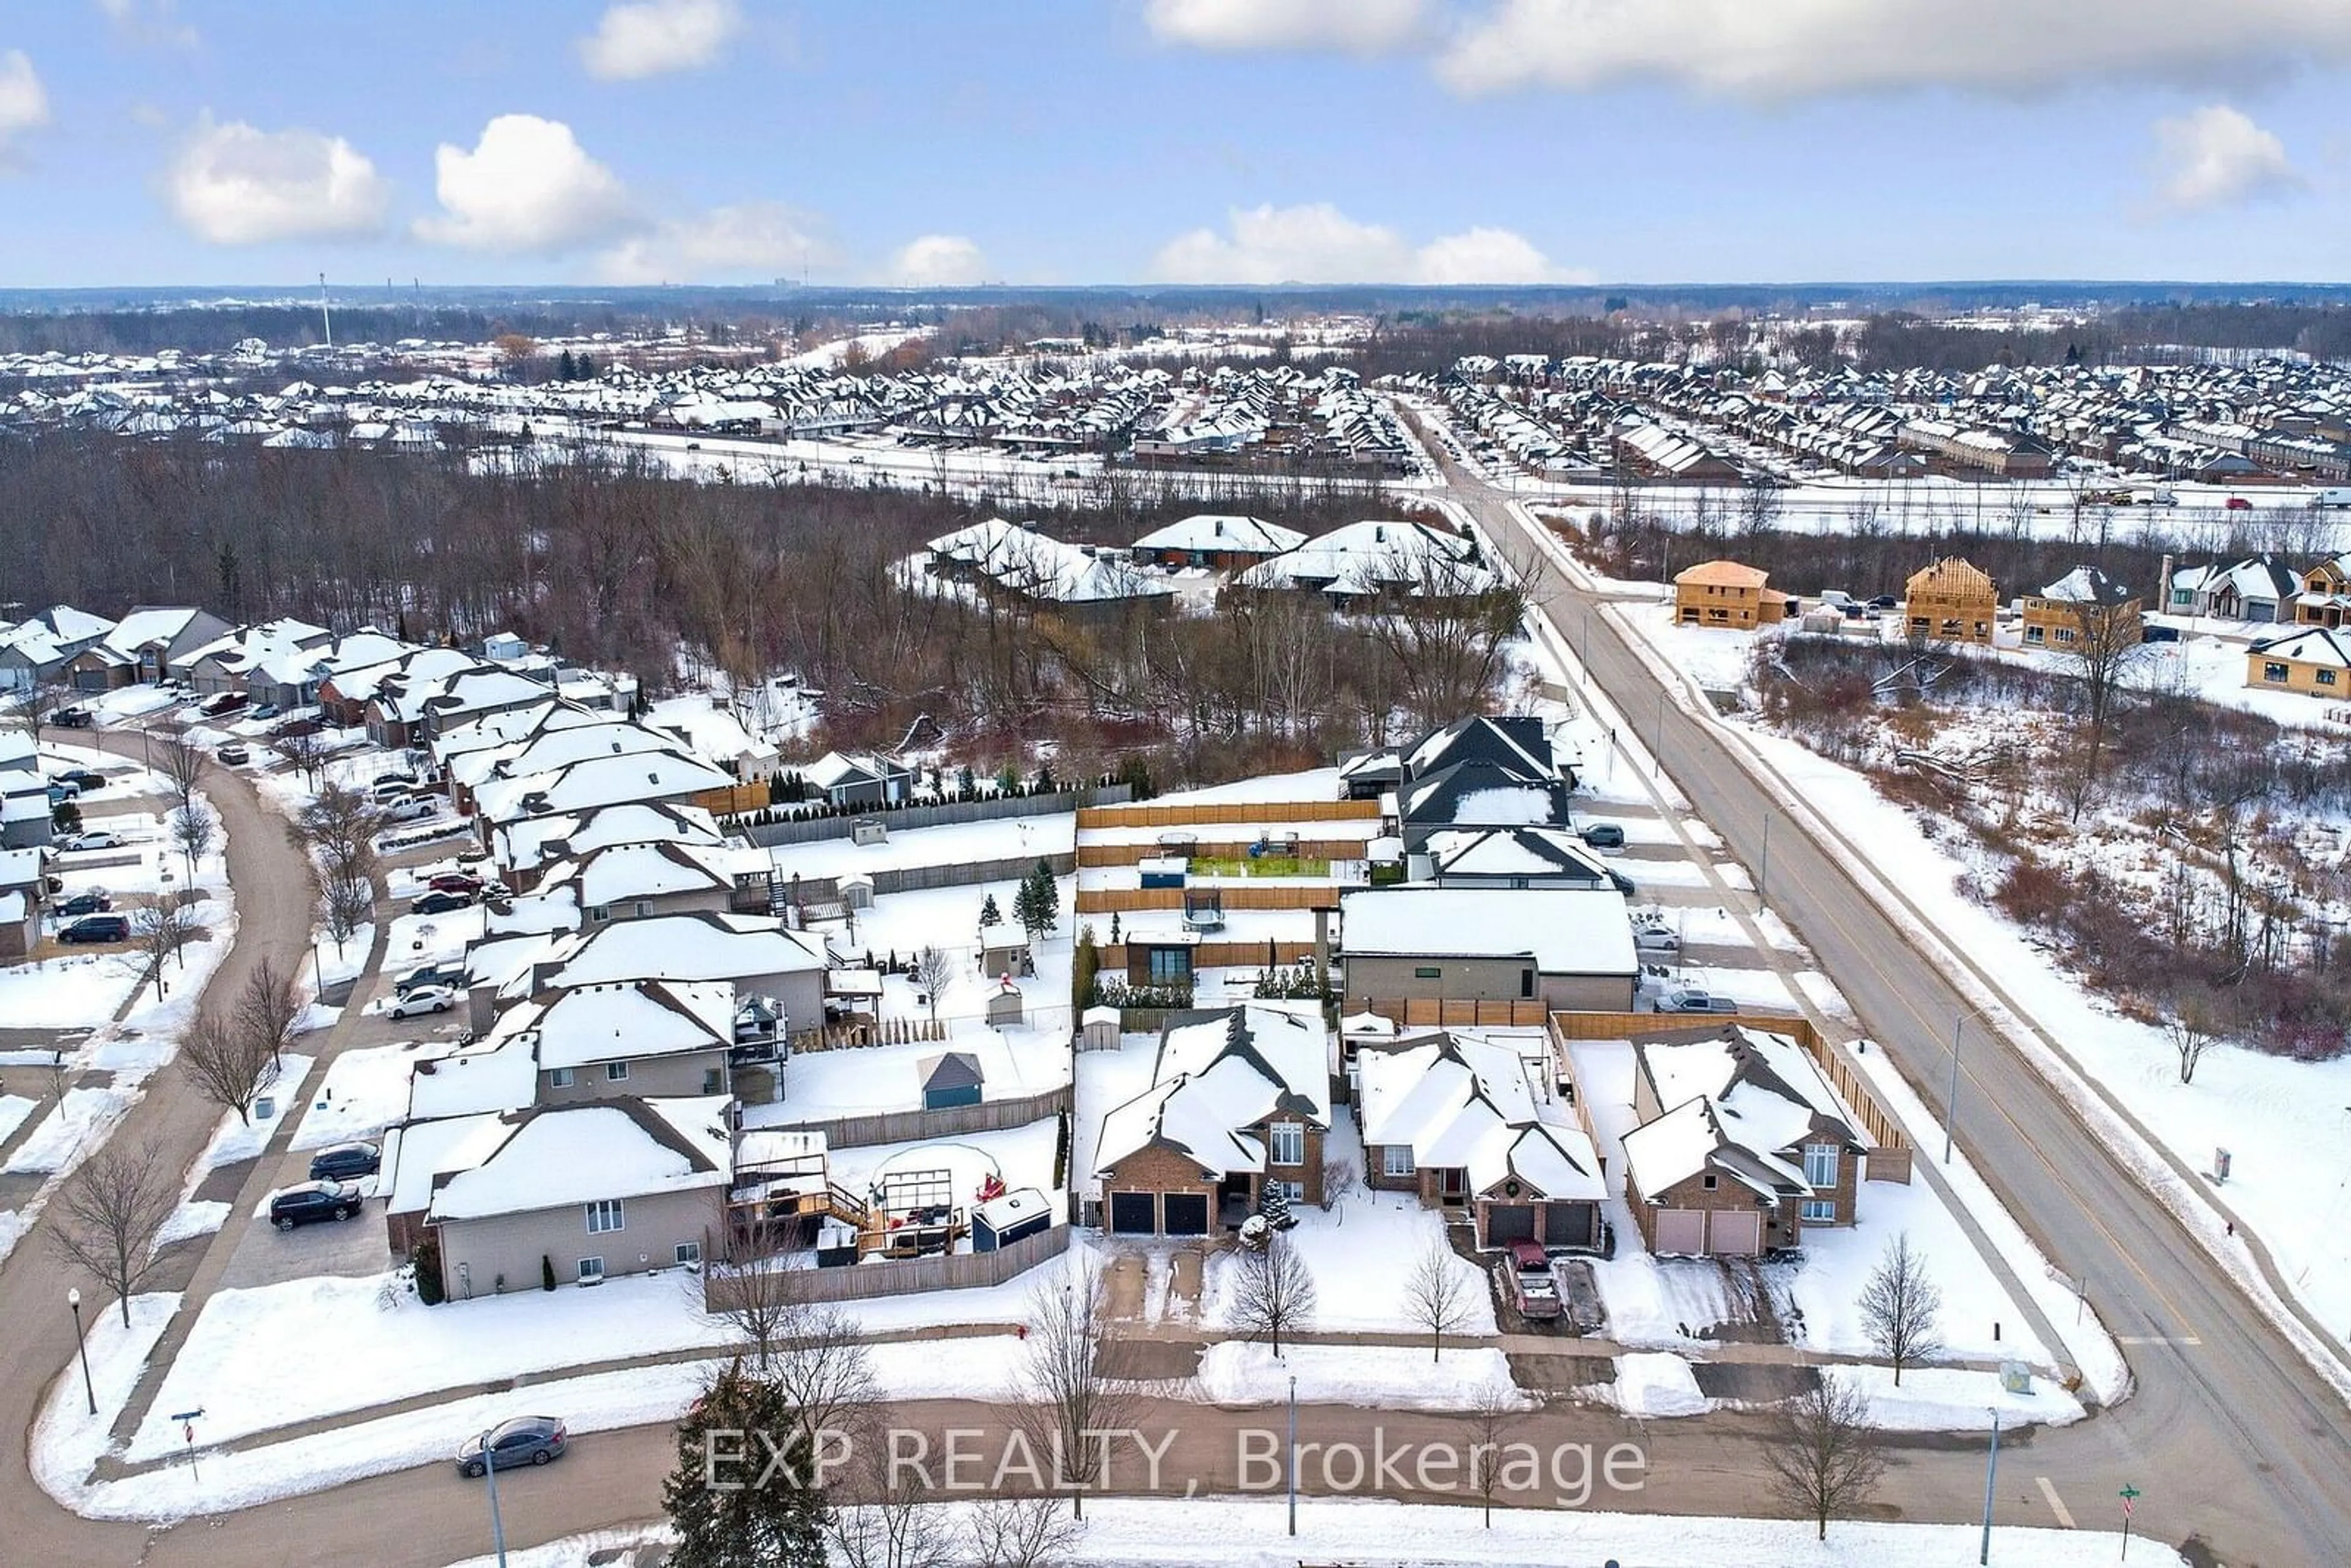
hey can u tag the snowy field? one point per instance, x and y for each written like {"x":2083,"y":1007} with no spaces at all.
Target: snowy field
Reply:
{"x":1235,"y":1373}
{"x":957,"y":843}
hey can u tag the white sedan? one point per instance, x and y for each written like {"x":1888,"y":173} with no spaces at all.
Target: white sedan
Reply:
{"x":423,"y":999}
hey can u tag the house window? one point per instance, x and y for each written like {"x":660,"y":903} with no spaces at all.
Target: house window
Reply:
{"x":1820,"y":1211}
{"x":605,"y":1215}
{"x":1289,"y":1143}
{"x":1707,"y":1181}
{"x":2325,"y":677}
{"x":1526,"y":983}
{"x":1428,"y":972}
{"x":590,"y":1268}
{"x":2272,"y":671}
{"x":1395,"y":1159}
{"x":1295,"y":1191}
{"x":1819,"y":1164}
{"x":688,"y":1252}
{"x":1170,"y":965}
{"x":2033,"y":633}
{"x":711,"y":1081}
{"x":2064,"y":634}
{"x":614,"y":1072}
{"x":644,"y":907}
{"x":600,"y":914}
{"x":559,"y":1078}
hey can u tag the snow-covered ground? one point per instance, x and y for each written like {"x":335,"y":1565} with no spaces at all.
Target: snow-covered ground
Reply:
{"x":1386,"y":1377}
{"x":243,"y":1138}
{"x":364,"y":1092}
{"x":1024,"y":838}
{"x":821,"y":1084}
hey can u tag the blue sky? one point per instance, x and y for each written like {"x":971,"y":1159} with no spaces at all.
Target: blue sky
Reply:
{"x":165,"y":141}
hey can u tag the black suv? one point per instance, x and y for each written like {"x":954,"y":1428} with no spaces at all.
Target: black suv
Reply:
{"x":91,"y":902}
{"x":97,"y":929}
{"x":345,"y":1162}
{"x":314,"y":1200}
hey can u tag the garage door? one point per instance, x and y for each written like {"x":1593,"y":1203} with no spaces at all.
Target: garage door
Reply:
{"x":1736,"y":1233}
{"x":1681,"y":1230}
{"x":1508,"y":1222}
{"x":1133,"y":1214}
{"x":1567,"y":1225}
{"x":1188,"y":1213}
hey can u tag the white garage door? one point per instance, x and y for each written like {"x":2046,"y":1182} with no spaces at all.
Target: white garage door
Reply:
{"x":1681,"y":1230}
{"x":1736,"y":1233}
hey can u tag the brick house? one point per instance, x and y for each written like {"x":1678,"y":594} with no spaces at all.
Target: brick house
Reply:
{"x":1728,"y":594}
{"x":1741,"y":1144}
{"x":1950,"y":601}
{"x":1468,"y":1123}
{"x":1239,"y":1098}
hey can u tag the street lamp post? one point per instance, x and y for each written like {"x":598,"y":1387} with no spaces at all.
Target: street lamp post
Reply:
{"x":1657,"y":737}
{"x":1951,"y":1099}
{"x":1291,"y":1467}
{"x":490,"y":1474}
{"x":1763,"y":874}
{"x":1991,"y":1469}
{"x":81,"y":1348}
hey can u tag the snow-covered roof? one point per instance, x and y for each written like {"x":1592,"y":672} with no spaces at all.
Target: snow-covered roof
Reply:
{"x":700,"y":945}
{"x":1218,"y":1074}
{"x":619,"y":872}
{"x":1468,"y":1103}
{"x":1767,"y":1087}
{"x":2086,"y":585}
{"x":623,"y":1020}
{"x":1211,"y":531}
{"x":555,"y":1157}
{"x":2311,"y":646}
{"x":1514,"y":852}
{"x":1565,"y":930}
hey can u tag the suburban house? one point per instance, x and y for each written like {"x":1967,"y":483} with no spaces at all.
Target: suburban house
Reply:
{"x":649,"y":1037}
{"x":526,"y":848}
{"x":756,"y":955}
{"x":348,"y":693}
{"x":150,"y":643}
{"x":1741,"y":1144}
{"x":2258,"y":587}
{"x":1016,"y":561}
{"x":584,"y":1191}
{"x":2314,"y":660}
{"x":635,"y":881}
{"x":608,"y":779}
{"x":1238,"y":1098}
{"x":860,"y":779}
{"x":1565,"y":948}
{"x":2325,"y":596}
{"x":1515,"y":743}
{"x":1512,"y":858}
{"x":1466,"y":1123}
{"x":25,"y":813}
{"x":1377,"y":562}
{"x":1950,"y":601}
{"x":1725,"y":593}
{"x":36,"y":651}
{"x":560,"y":735}
{"x":1217,"y":542}
{"x":24,"y":889}
{"x":1474,"y":795}
{"x":2084,"y":599}
{"x":228,"y":663}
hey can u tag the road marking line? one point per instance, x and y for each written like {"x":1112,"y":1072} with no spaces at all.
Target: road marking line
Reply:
{"x":2056,"y":1503}
{"x":2156,"y":1339}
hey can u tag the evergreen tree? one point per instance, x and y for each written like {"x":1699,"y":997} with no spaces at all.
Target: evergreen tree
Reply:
{"x":1049,"y":897}
{"x":989,"y":914}
{"x":1273,"y":1202}
{"x":732,"y":1506}
{"x":565,"y":370}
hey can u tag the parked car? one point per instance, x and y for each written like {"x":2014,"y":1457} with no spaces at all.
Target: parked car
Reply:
{"x":2149,"y":633}
{"x":224,"y":702}
{"x":71,"y":718}
{"x":1883,"y":601}
{"x":1655,"y":939}
{"x":449,"y":974}
{"x":314,"y":1200}
{"x":81,"y":779}
{"x":1690,"y":999}
{"x":1605,"y":837}
{"x":1534,"y":1291}
{"x":346,"y":1162}
{"x":422,"y":999}
{"x":411,"y":809}
{"x":525,"y":1440}
{"x":442,"y":903}
{"x":456,"y":881}
{"x":267,"y":710}
{"x":60,"y":793}
{"x":97,"y":840}
{"x":95,"y":902}
{"x":235,"y":754}
{"x":97,"y":929}
{"x":392,"y":786}
{"x":300,"y":724}
{"x":2238,"y":504}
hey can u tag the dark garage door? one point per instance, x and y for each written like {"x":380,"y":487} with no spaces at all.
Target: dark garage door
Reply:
{"x":1133,"y":1214}
{"x":1188,"y":1213}
{"x":1568,"y":1225}
{"x":1508,"y":1222}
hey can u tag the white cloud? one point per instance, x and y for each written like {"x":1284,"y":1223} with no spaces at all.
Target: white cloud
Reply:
{"x":650,"y":38}
{"x":1359,"y":26}
{"x":526,"y":186}
{"x":938,"y":261}
{"x":1320,"y":244}
{"x":752,"y":241}
{"x":23,"y":102}
{"x":152,"y":22}
{"x":232,"y":185}
{"x":2216,"y":157}
{"x":1794,"y":49}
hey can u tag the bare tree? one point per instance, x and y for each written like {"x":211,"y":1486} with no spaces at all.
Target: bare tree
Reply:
{"x":347,"y":903}
{"x":340,"y":825}
{"x":304,"y":750}
{"x":1064,"y":1393}
{"x":1823,"y":1461}
{"x":1444,"y":623}
{"x":898,"y":1526}
{"x":1338,"y":1181}
{"x":228,"y":1066}
{"x":1273,"y":1293}
{"x":268,"y":1006}
{"x":2108,"y":644}
{"x":38,"y":703}
{"x":1490,"y":1416}
{"x":182,"y":764}
{"x":1021,"y":1532}
{"x":745,"y":1281}
{"x":159,"y":932}
{"x":1435,"y":1295}
{"x":931,"y":970}
{"x":194,"y":833}
{"x":109,"y":1212}
{"x":817,"y":1358}
{"x":1899,"y":1307}
{"x":2193,"y":1032}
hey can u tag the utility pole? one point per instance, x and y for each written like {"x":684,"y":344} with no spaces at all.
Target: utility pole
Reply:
{"x":1951,"y":1099}
{"x":1763,"y":875}
{"x":1291,"y":1467}
{"x":1991,"y":1469}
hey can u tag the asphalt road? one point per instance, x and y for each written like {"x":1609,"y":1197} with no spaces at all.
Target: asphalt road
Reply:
{"x":2229,"y":1435}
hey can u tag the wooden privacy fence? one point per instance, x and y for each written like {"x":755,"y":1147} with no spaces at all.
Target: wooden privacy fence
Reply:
{"x":1222,"y":955}
{"x":1153,"y":816}
{"x":1888,"y":1161}
{"x":952,"y":1120}
{"x":1096,"y":856}
{"x":1233,"y":895}
{"x":951,"y":1271}
{"x":1453,"y":1012}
